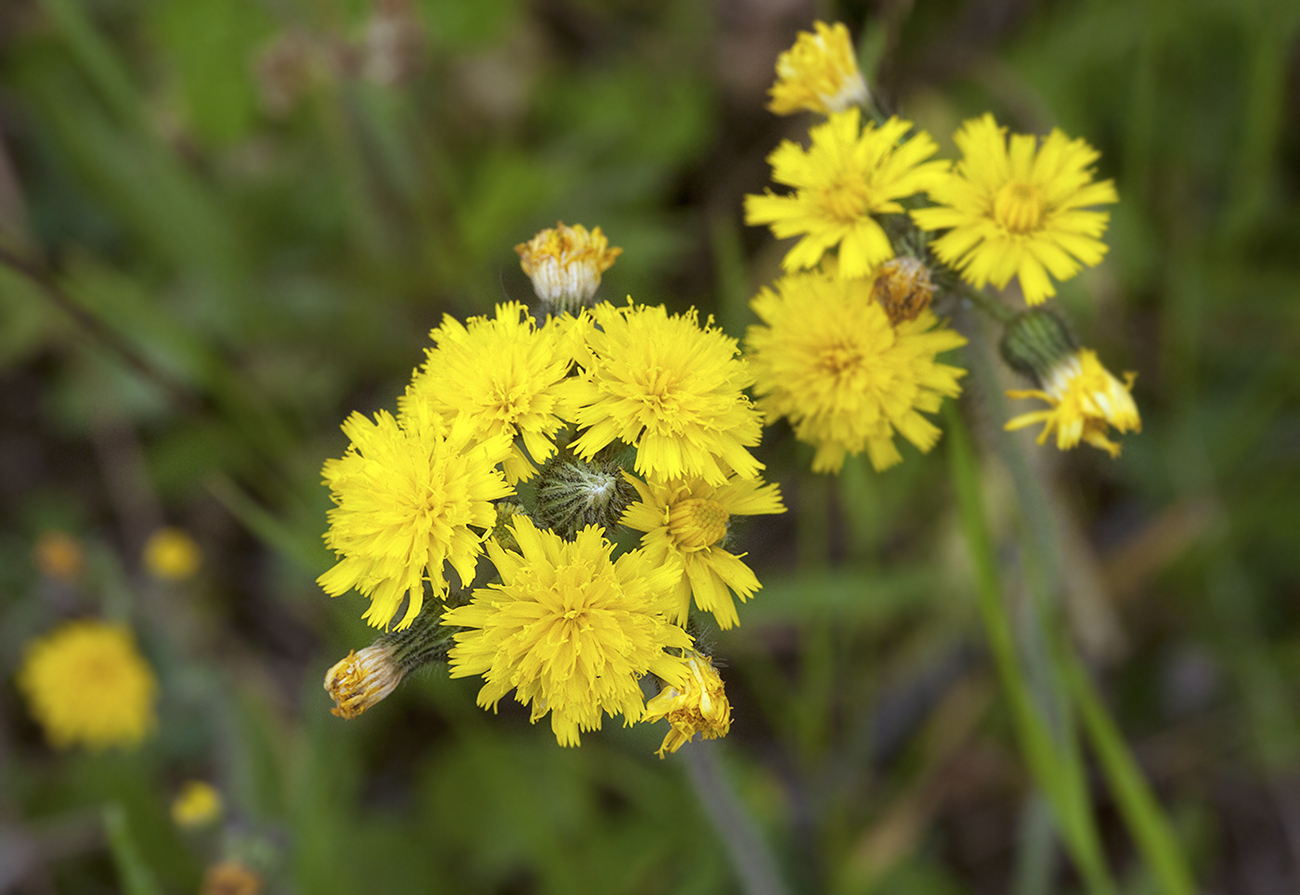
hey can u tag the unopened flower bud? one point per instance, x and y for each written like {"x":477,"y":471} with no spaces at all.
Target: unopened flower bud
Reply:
{"x":1035,"y":342}
{"x":572,"y":494}
{"x":362,"y":679}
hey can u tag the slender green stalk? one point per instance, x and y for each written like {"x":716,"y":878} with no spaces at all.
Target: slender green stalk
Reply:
{"x":1049,"y":764}
{"x":985,"y":302}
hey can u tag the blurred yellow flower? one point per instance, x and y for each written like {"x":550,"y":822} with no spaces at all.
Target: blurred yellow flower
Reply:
{"x":230,"y":878}
{"x":500,"y":375}
{"x":59,"y":555}
{"x":670,"y":388}
{"x":828,"y":359}
{"x":847,"y":177}
{"x":566,"y":263}
{"x":697,"y":706}
{"x":1086,"y":400}
{"x":818,"y":74}
{"x":685,"y":523}
{"x":568,"y":629}
{"x":171,"y":555}
{"x":1018,"y":211}
{"x":410,"y":499}
{"x":87,"y":684}
{"x":197,"y":804}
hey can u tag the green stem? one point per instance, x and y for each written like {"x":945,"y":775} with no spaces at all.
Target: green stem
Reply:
{"x":985,"y":302}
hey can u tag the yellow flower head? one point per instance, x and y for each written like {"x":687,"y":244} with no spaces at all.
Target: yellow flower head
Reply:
{"x":86,"y":683}
{"x":198,"y":804}
{"x":60,"y":556}
{"x":818,"y":74}
{"x":1018,"y":210}
{"x":846,"y":177}
{"x":565,"y":264}
{"x":1085,"y":401}
{"x":362,"y":679}
{"x":697,"y":706}
{"x":668,"y":387}
{"x":568,"y":629}
{"x":501,"y":377}
{"x":828,"y":359}
{"x":685,"y":523}
{"x":171,"y":555}
{"x":408,"y":500}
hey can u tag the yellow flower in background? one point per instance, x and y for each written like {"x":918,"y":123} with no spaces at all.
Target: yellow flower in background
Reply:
{"x":685,"y":524}
{"x":363,"y":679}
{"x":197,"y":804}
{"x":828,"y":359}
{"x":1018,"y":210}
{"x":818,"y":74}
{"x":698,"y":706}
{"x":566,"y":263}
{"x":409,"y":499}
{"x":842,"y":181}
{"x":668,"y":387}
{"x":502,"y":376}
{"x":59,"y":555}
{"x":171,"y":555}
{"x":230,"y":878}
{"x":1086,"y":400}
{"x":87,"y":684}
{"x":568,"y":629}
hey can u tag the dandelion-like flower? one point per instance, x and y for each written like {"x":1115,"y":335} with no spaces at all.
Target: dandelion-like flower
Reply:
{"x":409,"y":499}
{"x":362,"y":679}
{"x":500,"y":376}
{"x":197,"y":804}
{"x":171,"y":555}
{"x":668,"y":387}
{"x":685,"y":523}
{"x":1018,"y":210}
{"x":566,"y":263}
{"x":828,"y":359}
{"x":698,"y":706}
{"x":841,"y":182}
{"x":1086,"y":400}
{"x":818,"y":74}
{"x":568,"y":629}
{"x":86,"y":683}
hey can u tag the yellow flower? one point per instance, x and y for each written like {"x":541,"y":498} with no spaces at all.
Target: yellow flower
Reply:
{"x":1016,"y":212}
{"x":1086,"y":400}
{"x":818,"y":74}
{"x":362,"y":679}
{"x":669,"y":388}
{"x":841,"y":181}
{"x":829,"y":360}
{"x":196,"y":805}
{"x":501,"y":376}
{"x":698,"y":706}
{"x":409,"y":498}
{"x":60,"y":556}
{"x":565,"y":264}
{"x":171,"y":555}
{"x":568,"y":629}
{"x":86,"y":683}
{"x":685,"y":524}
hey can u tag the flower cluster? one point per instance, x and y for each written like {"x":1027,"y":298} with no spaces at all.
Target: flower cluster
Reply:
{"x":527,"y":442}
{"x":846,"y":350}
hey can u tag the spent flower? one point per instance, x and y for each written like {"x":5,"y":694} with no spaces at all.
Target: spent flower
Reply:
{"x":566,"y":263}
{"x":697,"y":706}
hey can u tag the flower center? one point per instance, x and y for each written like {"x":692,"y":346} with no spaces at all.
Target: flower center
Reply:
{"x":1019,"y":207}
{"x":837,"y":360}
{"x":697,"y":523}
{"x":848,"y":200}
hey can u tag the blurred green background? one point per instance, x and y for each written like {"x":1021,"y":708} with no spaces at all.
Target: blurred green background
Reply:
{"x":226,"y":224}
